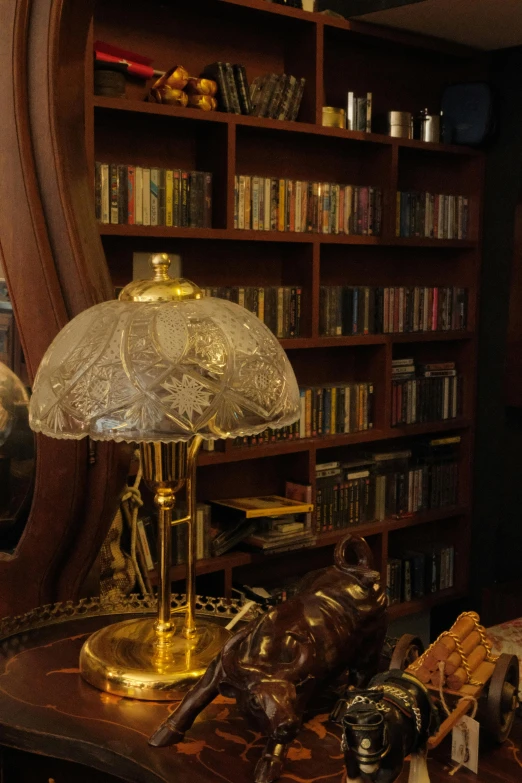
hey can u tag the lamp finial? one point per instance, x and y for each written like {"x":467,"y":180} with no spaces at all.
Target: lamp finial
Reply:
{"x":160,"y":263}
{"x":161,"y":287}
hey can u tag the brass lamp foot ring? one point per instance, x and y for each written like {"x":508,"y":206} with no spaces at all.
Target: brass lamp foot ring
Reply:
{"x":125,"y":658}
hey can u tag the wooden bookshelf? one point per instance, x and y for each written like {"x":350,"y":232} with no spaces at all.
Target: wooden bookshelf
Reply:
{"x":404,"y":72}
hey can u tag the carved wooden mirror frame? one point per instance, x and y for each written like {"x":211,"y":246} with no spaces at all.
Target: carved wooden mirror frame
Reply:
{"x":55,"y":268}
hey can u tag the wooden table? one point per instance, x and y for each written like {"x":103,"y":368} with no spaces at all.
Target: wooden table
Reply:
{"x":47,"y":709}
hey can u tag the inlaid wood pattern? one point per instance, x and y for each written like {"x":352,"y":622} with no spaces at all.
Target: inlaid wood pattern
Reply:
{"x":46,"y":708}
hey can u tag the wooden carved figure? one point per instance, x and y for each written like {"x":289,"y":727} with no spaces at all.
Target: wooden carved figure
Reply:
{"x":335,"y":624}
{"x":393,"y":718}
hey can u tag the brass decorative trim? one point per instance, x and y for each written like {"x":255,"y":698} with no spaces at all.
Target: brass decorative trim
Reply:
{"x":52,"y":614}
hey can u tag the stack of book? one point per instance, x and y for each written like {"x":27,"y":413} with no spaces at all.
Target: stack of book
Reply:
{"x":419,"y":573}
{"x":233,"y":91}
{"x":271,"y":524}
{"x":349,"y":310}
{"x":387,"y":485}
{"x":279,"y":307}
{"x":407,"y":481}
{"x":272,"y":204}
{"x":147,"y":537}
{"x":277,"y":96}
{"x":336,"y":409}
{"x":436,"y":216}
{"x":359,"y":112}
{"x":141,"y":196}
{"x":432,"y":392}
{"x":343,"y":494}
{"x":290,"y":432}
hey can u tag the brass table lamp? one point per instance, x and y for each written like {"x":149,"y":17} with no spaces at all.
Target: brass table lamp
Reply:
{"x":167,"y":368}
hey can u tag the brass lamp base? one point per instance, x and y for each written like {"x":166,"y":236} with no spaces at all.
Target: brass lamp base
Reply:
{"x":125,"y":658}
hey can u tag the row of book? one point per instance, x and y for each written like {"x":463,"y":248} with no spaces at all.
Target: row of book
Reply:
{"x":147,"y":537}
{"x":278,"y":307}
{"x":432,"y":392}
{"x":336,"y":409}
{"x":290,"y":432}
{"x":387,"y":485}
{"x":273,"y":204}
{"x":271,"y":523}
{"x":359,"y":112}
{"x":276,"y":96}
{"x":417,"y":574}
{"x":436,"y":216}
{"x":141,"y":196}
{"x":349,"y":310}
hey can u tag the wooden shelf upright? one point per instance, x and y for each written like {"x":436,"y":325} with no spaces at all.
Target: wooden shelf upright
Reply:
{"x":404,"y":72}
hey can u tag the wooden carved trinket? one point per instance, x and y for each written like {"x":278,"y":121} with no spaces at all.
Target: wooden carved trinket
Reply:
{"x":335,"y":625}
{"x":391,"y":719}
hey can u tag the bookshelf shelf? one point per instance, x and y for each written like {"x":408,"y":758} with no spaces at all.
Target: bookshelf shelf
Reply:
{"x":239,"y":453}
{"x":101,"y":103}
{"x":402,"y":70}
{"x":171,"y":232}
{"x":235,"y":559}
{"x":423,"y":604}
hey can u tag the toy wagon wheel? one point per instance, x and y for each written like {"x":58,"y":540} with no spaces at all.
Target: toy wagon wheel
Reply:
{"x":502,"y":699}
{"x":407,"y":650}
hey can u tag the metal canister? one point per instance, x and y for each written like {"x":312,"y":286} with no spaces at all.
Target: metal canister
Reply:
{"x":430,"y":130}
{"x":400,"y":124}
{"x":334,"y":117}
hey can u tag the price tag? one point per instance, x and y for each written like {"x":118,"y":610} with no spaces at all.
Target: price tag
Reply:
{"x":465,"y":743}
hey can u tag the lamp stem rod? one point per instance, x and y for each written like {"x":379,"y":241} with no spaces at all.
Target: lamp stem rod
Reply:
{"x":190,"y":616}
{"x":165,"y":502}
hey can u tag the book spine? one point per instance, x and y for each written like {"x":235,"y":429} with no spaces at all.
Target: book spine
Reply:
{"x":146,"y":196}
{"x":97,"y":191}
{"x":192,"y":218}
{"x":105,"y":193}
{"x":242,"y":88}
{"x":131,"y":188}
{"x":207,"y":199}
{"x":154,"y":196}
{"x":184,"y":199}
{"x":176,"y":198}
{"x":114,"y":192}
{"x":169,"y":196}
{"x":138,"y":197}
{"x":122,"y":194}
{"x":235,"y":107}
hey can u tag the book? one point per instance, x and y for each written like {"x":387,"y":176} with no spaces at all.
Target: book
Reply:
{"x":233,"y":96}
{"x":151,"y":196}
{"x":319,"y":207}
{"x":269,"y":505}
{"x":303,"y":494}
{"x":154,"y":197}
{"x":146,"y":196}
{"x":218,"y":72}
{"x":105,"y":193}
{"x":242,"y":88}
{"x":349,"y":310}
{"x":432,"y":215}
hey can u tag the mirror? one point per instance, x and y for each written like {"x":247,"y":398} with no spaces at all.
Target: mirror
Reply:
{"x":17,"y":443}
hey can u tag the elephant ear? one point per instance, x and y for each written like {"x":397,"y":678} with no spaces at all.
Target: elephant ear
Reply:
{"x":303,"y":658}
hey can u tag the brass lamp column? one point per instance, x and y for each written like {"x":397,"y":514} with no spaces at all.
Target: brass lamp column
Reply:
{"x":166,"y":368}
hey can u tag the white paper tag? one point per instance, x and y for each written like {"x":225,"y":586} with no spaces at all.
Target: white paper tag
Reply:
{"x":465,"y":743}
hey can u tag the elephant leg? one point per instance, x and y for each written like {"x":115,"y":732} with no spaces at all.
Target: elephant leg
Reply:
{"x":270,"y":766}
{"x":204,"y":691}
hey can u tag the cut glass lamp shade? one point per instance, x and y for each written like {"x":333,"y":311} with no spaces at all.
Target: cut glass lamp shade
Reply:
{"x":163,"y":371}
